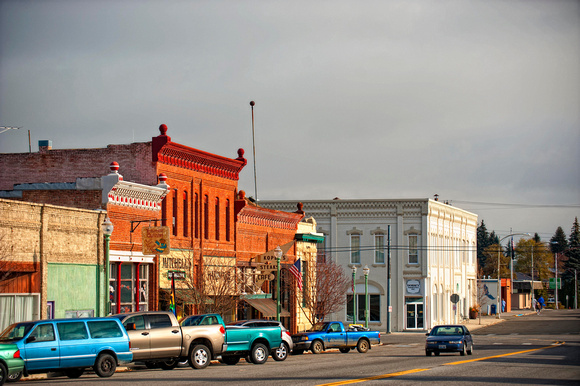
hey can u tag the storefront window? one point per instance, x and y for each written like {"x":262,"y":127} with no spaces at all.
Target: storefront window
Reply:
{"x":131,"y":291}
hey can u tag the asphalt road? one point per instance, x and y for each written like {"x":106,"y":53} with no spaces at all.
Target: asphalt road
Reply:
{"x":528,"y":350}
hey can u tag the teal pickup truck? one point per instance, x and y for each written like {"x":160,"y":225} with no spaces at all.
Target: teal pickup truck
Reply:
{"x":252,"y":343}
{"x":327,"y":335}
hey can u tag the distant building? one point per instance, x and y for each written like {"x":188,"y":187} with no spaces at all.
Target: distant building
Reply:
{"x":431,"y":247}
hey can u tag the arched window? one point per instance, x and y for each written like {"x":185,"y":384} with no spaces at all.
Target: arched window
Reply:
{"x":217,"y":218}
{"x":185,"y":215}
{"x":196,"y":216}
{"x":175,"y":212}
{"x":227,"y":220}
{"x":205,"y":217}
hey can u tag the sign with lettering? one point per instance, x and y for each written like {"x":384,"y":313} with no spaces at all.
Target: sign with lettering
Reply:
{"x":413,"y":287}
{"x":155,"y":240}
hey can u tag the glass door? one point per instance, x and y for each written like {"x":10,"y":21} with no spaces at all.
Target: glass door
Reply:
{"x":414,"y":313}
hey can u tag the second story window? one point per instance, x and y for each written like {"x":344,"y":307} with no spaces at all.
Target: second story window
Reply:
{"x":205,"y":217}
{"x":379,"y":248}
{"x":217,"y":218}
{"x":174,"y":212}
{"x":355,"y":248}
{"x":227,"y":220}
{"x":413,"y":250}
{"x":185,"y":215}
{"x":196,"y":215}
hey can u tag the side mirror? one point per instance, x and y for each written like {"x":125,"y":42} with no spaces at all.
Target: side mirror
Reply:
{"x":130,"y":327}
{"x":30,"y":339}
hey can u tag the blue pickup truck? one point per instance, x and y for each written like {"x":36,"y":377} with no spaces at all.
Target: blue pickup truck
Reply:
{"x":327,"y":335}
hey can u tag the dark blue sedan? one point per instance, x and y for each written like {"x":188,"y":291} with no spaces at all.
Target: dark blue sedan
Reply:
{"x":449,"y":338}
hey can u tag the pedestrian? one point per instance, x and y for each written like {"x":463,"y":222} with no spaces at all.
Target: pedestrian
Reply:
{"x":502,"y":305}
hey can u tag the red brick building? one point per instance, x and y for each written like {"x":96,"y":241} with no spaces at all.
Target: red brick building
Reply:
{"x":203,"y":209}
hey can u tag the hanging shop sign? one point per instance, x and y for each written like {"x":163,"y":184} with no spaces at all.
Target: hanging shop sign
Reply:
{"x":155,"y":240}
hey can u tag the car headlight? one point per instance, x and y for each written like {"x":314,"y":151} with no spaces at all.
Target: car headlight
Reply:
{"x":304,"y":338}
{"x":455,"y":342}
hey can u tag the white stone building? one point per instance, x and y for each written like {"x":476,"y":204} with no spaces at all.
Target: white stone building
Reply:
{"x":431,"y":247}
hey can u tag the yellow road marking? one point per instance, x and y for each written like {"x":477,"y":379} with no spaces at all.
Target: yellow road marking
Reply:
{"x":399,"y":373}
{"x":501,"y":355}
{"x":375,"y":377}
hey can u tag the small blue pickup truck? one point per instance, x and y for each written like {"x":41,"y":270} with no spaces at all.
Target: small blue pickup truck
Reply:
{"x":327,"y":335}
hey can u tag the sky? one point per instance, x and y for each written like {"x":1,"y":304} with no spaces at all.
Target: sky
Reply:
{"x":476,"y":101}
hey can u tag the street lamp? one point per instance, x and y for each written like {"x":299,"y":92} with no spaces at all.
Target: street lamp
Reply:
{"x":498,"y":309}
{"x":107,"y":228}
{"x":366,"y":273}
{"x":278,"y":254}
{"x":354,"y":310}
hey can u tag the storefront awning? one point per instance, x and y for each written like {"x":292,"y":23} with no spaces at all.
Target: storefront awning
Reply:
{"x":267,"y":307}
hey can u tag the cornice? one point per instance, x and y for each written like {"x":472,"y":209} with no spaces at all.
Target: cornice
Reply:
{"x":269,"y":218}
{"x":175,"y":154}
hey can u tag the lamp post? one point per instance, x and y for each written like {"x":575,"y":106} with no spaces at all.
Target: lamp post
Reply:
{"x":354,"y":310}
{"x":278,"y":253}
{"x":366,"y":273}
{"x":498,"y":309}
{"x":107,"y":228}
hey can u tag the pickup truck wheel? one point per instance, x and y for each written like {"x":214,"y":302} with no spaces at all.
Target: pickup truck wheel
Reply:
{"x":169,"y":365}
{"x":105,"y":365}
{"x":14,"y":377}
{"x":259,"y":354}
{"x":74,"y":373}
{"x":281,"y":353}
{"x":317,"y":347}
{"x":231,"y":360}
{"x":344,"y":350}
{"x":362,"y":346}
{"x":199,"y":357}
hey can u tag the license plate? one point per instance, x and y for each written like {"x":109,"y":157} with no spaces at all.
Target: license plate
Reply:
{"x":442,"y":346}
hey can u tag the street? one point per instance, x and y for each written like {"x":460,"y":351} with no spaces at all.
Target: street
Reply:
{"x":531,"y":349}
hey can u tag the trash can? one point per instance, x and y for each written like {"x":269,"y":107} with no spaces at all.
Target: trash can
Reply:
{"x":493,"y":309}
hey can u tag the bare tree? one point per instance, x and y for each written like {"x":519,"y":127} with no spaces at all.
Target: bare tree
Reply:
{"x":327,"y":288}
{"x":206,"y":287}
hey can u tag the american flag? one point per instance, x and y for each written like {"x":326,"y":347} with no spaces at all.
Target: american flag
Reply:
{"x":296,"y":270}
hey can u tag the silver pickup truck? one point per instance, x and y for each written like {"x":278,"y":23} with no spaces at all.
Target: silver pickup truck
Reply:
{"x":158,"y":340}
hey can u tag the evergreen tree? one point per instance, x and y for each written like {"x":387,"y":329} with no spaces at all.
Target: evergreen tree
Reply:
{"x":558,"y":242}
{"x":573,"y":252}
{"x":482,"y":243}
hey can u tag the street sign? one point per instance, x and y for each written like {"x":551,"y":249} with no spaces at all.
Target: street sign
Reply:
{"x":553,"y":283}
{"x":454,"y":298}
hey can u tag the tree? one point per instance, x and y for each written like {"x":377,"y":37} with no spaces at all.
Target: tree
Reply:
{"x":209,"y":287}
{"x":572,"y":261}
{"x":484,"y":240}
{"x":530,"y":249}
{"x":489,"y":267}
{"x":558,"y":242}
{"x":327,"y":294}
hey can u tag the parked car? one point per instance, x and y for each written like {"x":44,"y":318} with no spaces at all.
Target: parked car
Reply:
{"x":449,"y":338}
{"x":11,"y":365}
{"x":70,"y":345}
{"x":158,"y":340}
{"x":280,"y":353}
{"x":327,"y":335}
{"x":254,"y":343}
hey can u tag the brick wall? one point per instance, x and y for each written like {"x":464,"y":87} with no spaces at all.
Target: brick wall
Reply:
{"x":66,"y":165}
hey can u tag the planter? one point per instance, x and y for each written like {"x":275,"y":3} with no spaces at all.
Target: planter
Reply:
{"x":473,"y":314}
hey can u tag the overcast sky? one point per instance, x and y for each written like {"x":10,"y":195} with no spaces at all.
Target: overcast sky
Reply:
{"x":477,"y":101}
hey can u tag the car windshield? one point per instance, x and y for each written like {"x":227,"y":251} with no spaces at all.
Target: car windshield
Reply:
{"x":319,"y":327}
{"x":16,"y":331}
{"x":446,"y":331}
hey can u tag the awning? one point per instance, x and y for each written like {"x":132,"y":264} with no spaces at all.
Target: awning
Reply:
{"x":267,"y":307}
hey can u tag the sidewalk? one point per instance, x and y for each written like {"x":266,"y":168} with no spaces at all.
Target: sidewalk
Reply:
{"x":487,"y":320}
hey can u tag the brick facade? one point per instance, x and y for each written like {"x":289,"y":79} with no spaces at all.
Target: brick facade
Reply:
{"x":203,"y":209}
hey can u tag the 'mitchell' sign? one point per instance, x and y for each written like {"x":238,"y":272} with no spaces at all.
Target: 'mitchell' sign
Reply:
{"x":155,"y":240}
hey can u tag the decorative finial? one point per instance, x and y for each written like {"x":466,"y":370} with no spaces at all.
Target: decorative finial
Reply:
{"x":163,"y":129}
